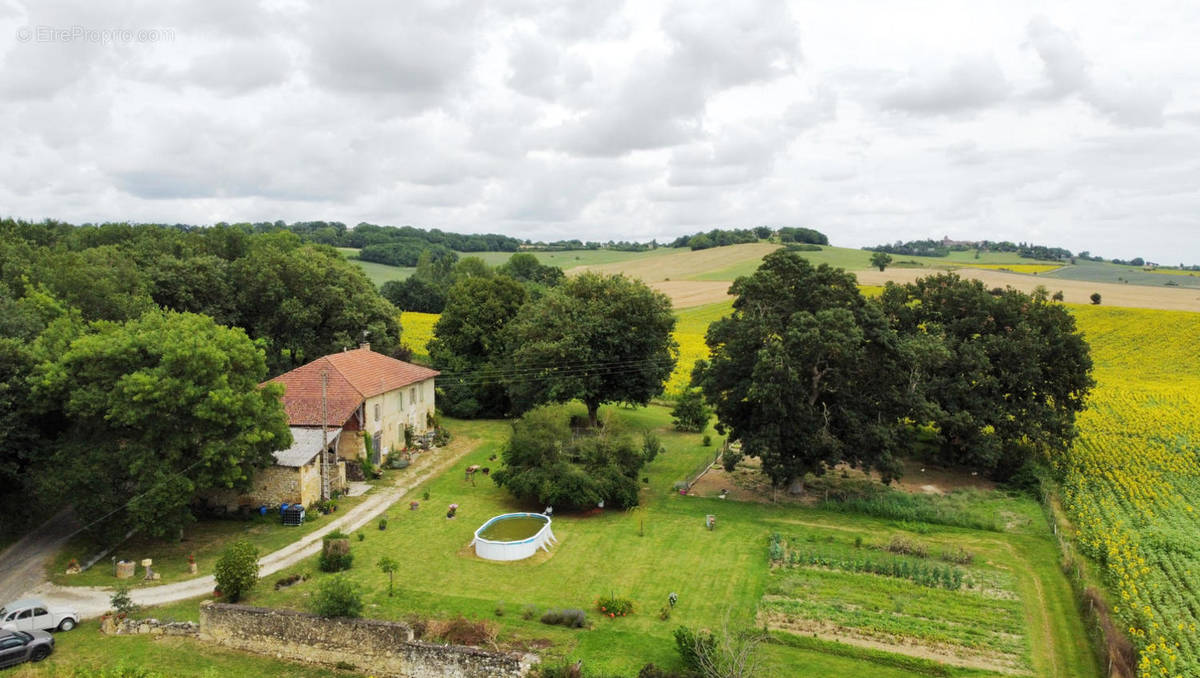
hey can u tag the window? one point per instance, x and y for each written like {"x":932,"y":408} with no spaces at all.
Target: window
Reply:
{"x":25,"y":614}
{"x":422,"y":392}
{"x":376,"y":411}
{"x":38,"y":612}
{"x":412,"y":397}
{"x":10,"y":642}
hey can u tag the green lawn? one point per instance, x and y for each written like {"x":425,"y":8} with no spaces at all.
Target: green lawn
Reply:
{"x":644,"y":554}
{"x":204,"y":539}
{"x":647,"y":553}
{"x":86,"y":648}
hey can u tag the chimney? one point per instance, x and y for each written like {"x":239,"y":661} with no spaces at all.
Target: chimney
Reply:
{"x":366,"y":345}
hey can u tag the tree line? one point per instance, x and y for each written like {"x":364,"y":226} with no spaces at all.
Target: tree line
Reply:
{"x":808,"y":373}
{"x":721,"y":237}
{"x":939,"y":248}
{"x":131,"y":358}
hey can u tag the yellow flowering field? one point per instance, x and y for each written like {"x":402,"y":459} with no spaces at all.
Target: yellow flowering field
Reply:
{"x":417,"y":330}
{"x":1132,"y":483}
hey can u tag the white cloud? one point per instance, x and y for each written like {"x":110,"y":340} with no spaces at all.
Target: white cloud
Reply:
{"x":875,"y":122}
{"x":968,"y":83}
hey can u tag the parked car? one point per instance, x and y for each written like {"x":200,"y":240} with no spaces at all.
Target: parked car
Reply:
{"x":17,"y":647}
{"x":30,"y":614}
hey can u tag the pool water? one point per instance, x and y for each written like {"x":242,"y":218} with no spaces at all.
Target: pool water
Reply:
{"x":513,"y":529}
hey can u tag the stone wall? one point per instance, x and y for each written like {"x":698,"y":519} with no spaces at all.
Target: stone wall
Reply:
{"x":114,"y":626}
{"x":275,"y":485}
{"x":272,"y":486}
{"x":382,"y":648}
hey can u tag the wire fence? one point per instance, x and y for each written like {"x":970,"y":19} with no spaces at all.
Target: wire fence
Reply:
{"x":699,"y":471}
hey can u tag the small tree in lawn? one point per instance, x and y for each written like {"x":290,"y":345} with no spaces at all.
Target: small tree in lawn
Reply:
{"x":691,"y":414}
{"x":337,"y":597}
{"x":389,"y":566}
{"x":1096,"y":298}
{"x":881,"y":260}
{"x":236,"y":570}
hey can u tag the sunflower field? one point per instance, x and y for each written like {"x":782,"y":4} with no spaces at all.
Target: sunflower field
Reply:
{"x":1132,"y":481}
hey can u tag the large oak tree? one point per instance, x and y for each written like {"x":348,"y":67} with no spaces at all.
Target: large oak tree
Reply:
{"x":1016,"y":375}
{"x":468,"y":346}
{"x":595,"y":338}
{"x":806,"y":373}
{"x":155,"y":411}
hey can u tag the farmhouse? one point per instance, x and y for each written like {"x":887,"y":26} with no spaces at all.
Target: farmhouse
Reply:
{"x":359,"y":392}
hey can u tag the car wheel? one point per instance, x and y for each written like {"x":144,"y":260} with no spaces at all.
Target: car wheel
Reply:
{"x":66,"y":624}
{"x":39,"y":653}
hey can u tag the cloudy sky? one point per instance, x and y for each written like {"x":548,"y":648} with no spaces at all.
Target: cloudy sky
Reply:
{"x":1070,"y":123}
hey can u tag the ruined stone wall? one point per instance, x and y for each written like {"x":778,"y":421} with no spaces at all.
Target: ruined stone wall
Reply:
{"x":382,"y":648}
{"x":113,"y":626}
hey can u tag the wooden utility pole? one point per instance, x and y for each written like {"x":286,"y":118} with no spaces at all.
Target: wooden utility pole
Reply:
{"x":324,"y":438}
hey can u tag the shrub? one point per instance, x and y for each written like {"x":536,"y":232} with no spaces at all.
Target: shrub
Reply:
{"x":572,"y":618}
{"x":337,"y":597}
{"x":546,"y":462}
{"x":690,"y":414}
{"x":335,"y":553}
{"x":500,"y":608}
{"x":121,"y":602}
{"x":236,"y":570}
{"x":729,"y":460}
{"x":612,"y":606}
{"x":463,"y":631}
{"x":908,"y":547}
{"x":960,"y":556}
{"x":664,"y":612}
{"x":361,"y":535}
{"x":383,"y":523}
{"x":529,"y":612}
{"x":652,"y":671}
{"x":1095,"y":298}
{"x":284,"y":582}
{"x":706,"y":440}
{"x":692,"y":645}
{"x":566,"y":669}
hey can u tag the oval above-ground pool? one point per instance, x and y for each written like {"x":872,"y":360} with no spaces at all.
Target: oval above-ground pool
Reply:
{"x":513,"y":536}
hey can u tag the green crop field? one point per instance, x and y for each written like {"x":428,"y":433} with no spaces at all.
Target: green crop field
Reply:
{"x":1101,"y":271}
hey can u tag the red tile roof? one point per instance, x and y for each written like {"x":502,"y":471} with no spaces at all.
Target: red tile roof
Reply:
{"x":354,"y":376}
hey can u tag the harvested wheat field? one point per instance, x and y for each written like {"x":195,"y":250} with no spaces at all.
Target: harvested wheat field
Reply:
{"x":1074,"y":291}
{"x":680,"y":265}
{"x":689,"y":293}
